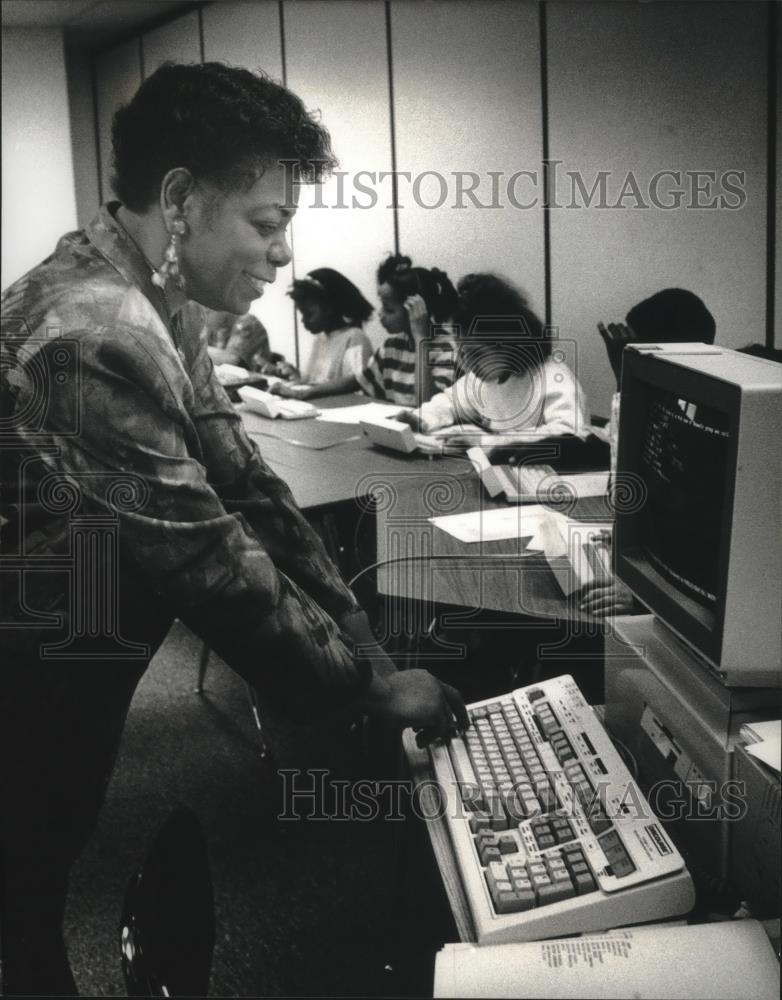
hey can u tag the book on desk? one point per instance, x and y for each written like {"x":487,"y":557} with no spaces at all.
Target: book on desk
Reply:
{"x":530,"y":471}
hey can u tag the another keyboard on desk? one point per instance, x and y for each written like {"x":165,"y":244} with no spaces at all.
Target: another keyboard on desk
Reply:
{"x":268,"y":405}
{"x":550,"y":833}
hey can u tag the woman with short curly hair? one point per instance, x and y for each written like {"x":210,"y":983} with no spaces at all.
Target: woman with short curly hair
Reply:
{"x":119,"y":423}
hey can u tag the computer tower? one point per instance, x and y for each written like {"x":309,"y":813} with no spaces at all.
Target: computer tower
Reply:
{"x":680,"y":724}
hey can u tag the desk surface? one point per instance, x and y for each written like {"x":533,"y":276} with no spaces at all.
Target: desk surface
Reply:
{"x":408,"y":490}
{"x":346,"y":471}
{"x":428,"y":564}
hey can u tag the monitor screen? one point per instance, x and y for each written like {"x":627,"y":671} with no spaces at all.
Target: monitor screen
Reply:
{"x":683,"y":465}
{"x":697,"y":535}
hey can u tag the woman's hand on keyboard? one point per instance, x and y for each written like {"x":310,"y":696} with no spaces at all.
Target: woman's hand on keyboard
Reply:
{"x":607,"y":597}
{"x":416,"y":698}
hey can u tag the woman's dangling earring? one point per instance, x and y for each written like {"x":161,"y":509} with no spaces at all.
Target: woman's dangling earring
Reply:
{"x":169,"y":269}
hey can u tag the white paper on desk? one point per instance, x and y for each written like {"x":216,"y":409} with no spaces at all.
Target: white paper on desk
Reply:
{"x":758,"y":731}
{"x":769,"y":751}
{"x":493,"y":525}
{"x":719,"y":961}
{"x":364,"y":411}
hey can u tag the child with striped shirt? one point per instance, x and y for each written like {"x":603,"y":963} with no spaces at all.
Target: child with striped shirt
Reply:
{"x":413,"y":301}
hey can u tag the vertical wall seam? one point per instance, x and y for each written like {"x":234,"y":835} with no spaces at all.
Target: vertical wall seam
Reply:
{"x":772,"y":28}
{"x":392,"y":126}
{"x":544,"y":109}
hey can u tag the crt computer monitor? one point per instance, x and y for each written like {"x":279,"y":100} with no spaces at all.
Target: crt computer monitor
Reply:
{"x":698,"y":536}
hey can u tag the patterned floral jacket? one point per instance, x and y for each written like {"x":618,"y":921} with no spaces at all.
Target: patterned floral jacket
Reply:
{"x":132,"y":495}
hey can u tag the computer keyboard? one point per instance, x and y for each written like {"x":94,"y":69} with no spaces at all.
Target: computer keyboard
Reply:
{"x":550,"y":833}
{"x":269,"y":405}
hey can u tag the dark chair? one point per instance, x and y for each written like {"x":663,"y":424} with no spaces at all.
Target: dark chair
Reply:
{"x":167,"y":929}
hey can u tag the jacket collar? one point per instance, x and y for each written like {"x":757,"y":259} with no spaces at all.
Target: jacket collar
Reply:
{"x":114,"y":243}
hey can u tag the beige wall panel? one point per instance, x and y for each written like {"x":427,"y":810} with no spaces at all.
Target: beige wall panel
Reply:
{"x":467,"y":99}
{"x":643,"y":88}
{"x":178,"y":40}
{"x":118,"y":75}
{"x":336,"y":62}
{"x":244,"y":34}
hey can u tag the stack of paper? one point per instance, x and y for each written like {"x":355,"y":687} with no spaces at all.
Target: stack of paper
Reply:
{"x":719,"y":961}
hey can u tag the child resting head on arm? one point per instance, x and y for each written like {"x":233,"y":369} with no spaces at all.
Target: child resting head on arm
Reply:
{"x":513,"y":386}
{"x":413,"y":302}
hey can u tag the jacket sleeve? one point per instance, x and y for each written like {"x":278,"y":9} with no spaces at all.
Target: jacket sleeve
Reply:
{"x":228,"y":551}
{"x":246,"y":485}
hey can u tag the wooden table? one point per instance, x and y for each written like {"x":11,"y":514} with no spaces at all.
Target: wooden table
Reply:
{"x":427,"y":564}
{"x":344,"y":473}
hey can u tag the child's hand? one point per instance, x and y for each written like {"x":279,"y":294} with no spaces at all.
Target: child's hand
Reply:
{"x":606,"y":597}
{"x":292,"y":390}
{"x":465,"y":440}
{"x":410,"y":417}
{"x":616,"y":336}
{"x":418,"y":315}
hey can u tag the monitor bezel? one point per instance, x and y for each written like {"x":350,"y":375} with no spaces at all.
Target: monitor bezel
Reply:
{"x":642,"y":372}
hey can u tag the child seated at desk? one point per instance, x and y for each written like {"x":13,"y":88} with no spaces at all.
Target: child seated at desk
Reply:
{"x":514,"y":388}
{"x":243,"y":341}
{"x":674,"y":315}
{"x":334,"y":311}
{"x":412,"y":300}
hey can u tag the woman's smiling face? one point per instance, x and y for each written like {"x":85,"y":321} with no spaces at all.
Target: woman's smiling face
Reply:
{"x":236,"y":241}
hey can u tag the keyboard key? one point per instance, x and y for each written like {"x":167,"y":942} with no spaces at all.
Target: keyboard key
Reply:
{"x":563,"y":832}
{"x":598,"y":820}
{"x":555,"y":892}
{"x":508,"y":844}
{"x":497,"y":871}
{"x":489,"y":854}
{"x":478,"y":822}
{"x":515,"y":901}
{"x":584,"y":883}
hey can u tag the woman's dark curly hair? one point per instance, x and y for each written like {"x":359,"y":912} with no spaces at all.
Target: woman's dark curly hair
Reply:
{"x":499,"y":334}
{"x":433,"y":285}
{"x":224,"y":124}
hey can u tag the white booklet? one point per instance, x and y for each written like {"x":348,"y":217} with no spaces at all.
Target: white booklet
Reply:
{"x":510,"y":480}
{"x":732,"y":960}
